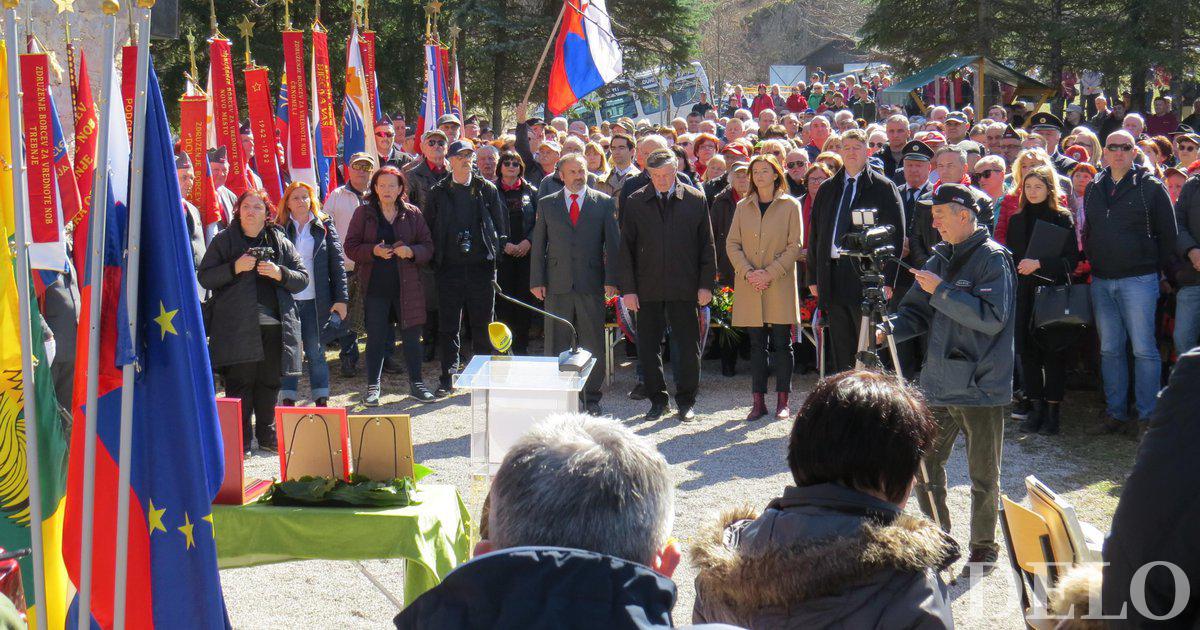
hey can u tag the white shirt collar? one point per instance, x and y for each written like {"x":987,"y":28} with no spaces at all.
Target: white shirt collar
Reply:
{"x":582,"y":192}
{"x":625,"y":171}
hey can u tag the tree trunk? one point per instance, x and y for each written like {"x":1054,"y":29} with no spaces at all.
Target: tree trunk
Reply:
{"x":1055,"y":61}
{"x":498,"y":93}
{"x":1137,"y":62}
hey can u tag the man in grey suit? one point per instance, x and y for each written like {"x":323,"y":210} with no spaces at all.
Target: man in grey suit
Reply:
{"x":573,"y":264}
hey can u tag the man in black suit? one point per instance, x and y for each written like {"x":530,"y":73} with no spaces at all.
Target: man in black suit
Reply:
{"x":573,"y":264}
{"x":668,"y":265}
{"x":832,"y":276}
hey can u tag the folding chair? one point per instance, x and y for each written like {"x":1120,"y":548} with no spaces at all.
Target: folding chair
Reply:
{"x":1073,"y":541}
{"x":1031,"y":556}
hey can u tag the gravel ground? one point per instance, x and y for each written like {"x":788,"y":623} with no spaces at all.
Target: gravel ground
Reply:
{"x":717,"y":460}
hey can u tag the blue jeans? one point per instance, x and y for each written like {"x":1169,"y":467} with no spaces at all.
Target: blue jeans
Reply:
{"x":310,"y":337}
{"x":1187,"y":319}
{"x":1125,"y":312}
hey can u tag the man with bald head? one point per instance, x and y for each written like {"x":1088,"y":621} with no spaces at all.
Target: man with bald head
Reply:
{"x":1129,"y":230}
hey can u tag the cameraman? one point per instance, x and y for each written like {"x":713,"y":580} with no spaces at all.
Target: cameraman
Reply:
{"x":832,"y":276}
{"x":469,"y":224}
{"x":964,"y":299}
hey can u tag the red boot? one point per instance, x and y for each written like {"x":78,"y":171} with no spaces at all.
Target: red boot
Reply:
{"x":758,"y":409}
{"x":782,"y":412}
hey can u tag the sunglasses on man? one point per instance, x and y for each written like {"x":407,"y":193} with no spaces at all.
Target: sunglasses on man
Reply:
{"x":435,"y":143}
{"x":796,"y":164}
{"x":1119,"y":147}
{"x":876,"y":145}
{"x":987,"y":172}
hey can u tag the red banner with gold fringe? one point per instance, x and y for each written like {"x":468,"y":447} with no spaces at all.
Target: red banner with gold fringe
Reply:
{"x":225,"y":111}
{"x":299,"y":136}
{"x":262,"y":126}
{"x":39,"y":148}
{"x":327,"y":122}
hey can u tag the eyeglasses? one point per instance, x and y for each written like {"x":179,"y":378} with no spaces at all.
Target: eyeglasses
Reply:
{"x":384,"y":134}
{"x":987,"y":172}
{"x":1188,"y":148}
{"x":512,"y":163}
{"x":876,"y":145}
{"x":1119,"y":147}
{"x":435,"y":143}
{"x":796,"y":164}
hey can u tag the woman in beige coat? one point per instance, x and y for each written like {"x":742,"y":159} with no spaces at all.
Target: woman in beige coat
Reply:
{"x":764,"y":242}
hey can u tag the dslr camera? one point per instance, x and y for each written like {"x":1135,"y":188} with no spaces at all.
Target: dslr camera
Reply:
{"x":464,"y":241}
{"x":262,"y":253}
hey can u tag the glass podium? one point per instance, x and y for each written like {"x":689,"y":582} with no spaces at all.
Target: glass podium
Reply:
{"x":509,"y":394}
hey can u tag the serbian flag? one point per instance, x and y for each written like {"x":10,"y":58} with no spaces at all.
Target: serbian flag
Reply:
{"x":356,"y":104}
{"x":176,"y":455}
{"x":586,"y":54}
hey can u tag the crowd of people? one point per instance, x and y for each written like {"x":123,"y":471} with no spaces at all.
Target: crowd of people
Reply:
{"x":1023,"y":249}
{"x":752,"y":196}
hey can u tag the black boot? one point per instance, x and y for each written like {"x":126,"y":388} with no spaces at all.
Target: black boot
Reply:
{"x":1033,"y":421}
{"x":1050,"y":421}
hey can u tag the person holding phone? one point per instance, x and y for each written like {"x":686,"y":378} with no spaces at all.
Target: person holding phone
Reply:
{"x":388,"y":240}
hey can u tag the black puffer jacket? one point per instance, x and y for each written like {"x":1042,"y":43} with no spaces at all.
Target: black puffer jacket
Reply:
{"x":1129,"y":227}
{"x":823,"y":556}
{"x":233,"y":334}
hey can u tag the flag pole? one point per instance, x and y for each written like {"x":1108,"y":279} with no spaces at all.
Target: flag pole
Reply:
{"x":97,"y":222}
{"x":133,"y":278}
{"x":545,"y":51}
{"x":30,"y":398}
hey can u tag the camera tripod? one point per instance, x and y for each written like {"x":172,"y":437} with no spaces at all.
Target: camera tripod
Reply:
{"x":875,"y":317}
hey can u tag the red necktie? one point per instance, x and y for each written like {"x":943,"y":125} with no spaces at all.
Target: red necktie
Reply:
{"x":574,"y":209}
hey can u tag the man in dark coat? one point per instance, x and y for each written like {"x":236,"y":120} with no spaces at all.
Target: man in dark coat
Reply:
{"x":469,"y":225}
{"x":667,"y":266}
{"x":573,"y":265}
{"x":530,"y":134}
{"x":574,"y":536}
{"x":1156,"y":518}
{"x":832,"y":277}
{"x":423,"y":175}
{"x":388,"y":148}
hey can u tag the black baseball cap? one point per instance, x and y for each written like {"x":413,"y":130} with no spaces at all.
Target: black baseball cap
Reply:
{"x":460,"y":146}
{"x":949,"y":193}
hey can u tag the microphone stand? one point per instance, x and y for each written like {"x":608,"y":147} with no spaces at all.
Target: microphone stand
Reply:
{"x":573,"y":360}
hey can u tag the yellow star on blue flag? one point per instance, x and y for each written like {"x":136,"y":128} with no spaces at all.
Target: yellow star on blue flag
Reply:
{"x":186,"y":528}
{"x":156,"y":518}
{"x":165,"y":325}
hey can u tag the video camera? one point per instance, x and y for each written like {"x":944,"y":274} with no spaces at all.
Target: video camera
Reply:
{"x":868,"y":241}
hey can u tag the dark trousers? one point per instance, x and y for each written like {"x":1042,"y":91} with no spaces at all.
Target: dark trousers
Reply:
{"x":463,"y":288}
{"x":780,"y":337}
{"x":378,"y":318}
{"x":257,"y":385}
{"x":653,"y":319}
{"x":513,"y":276}
{"x":842,"y":334}
{"x":586,"y":313}
{"x":348,"y":342}
{"x":1044,"y":371}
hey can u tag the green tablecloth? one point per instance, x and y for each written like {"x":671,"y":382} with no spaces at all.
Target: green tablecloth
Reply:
{"x":434,"y":536}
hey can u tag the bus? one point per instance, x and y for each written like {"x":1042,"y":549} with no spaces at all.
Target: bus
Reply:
{"x":655,"y":95}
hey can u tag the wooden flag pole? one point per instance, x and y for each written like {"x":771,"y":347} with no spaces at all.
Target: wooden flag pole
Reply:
{"x":545,"y":51}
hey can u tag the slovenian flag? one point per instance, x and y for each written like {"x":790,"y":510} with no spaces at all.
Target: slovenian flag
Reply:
{"x":586,"y":54}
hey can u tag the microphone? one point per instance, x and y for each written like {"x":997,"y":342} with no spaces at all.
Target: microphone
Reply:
{"x":573,"y":360}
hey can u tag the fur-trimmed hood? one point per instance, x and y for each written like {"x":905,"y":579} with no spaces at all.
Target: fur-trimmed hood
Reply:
{"x":775,"y":568}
